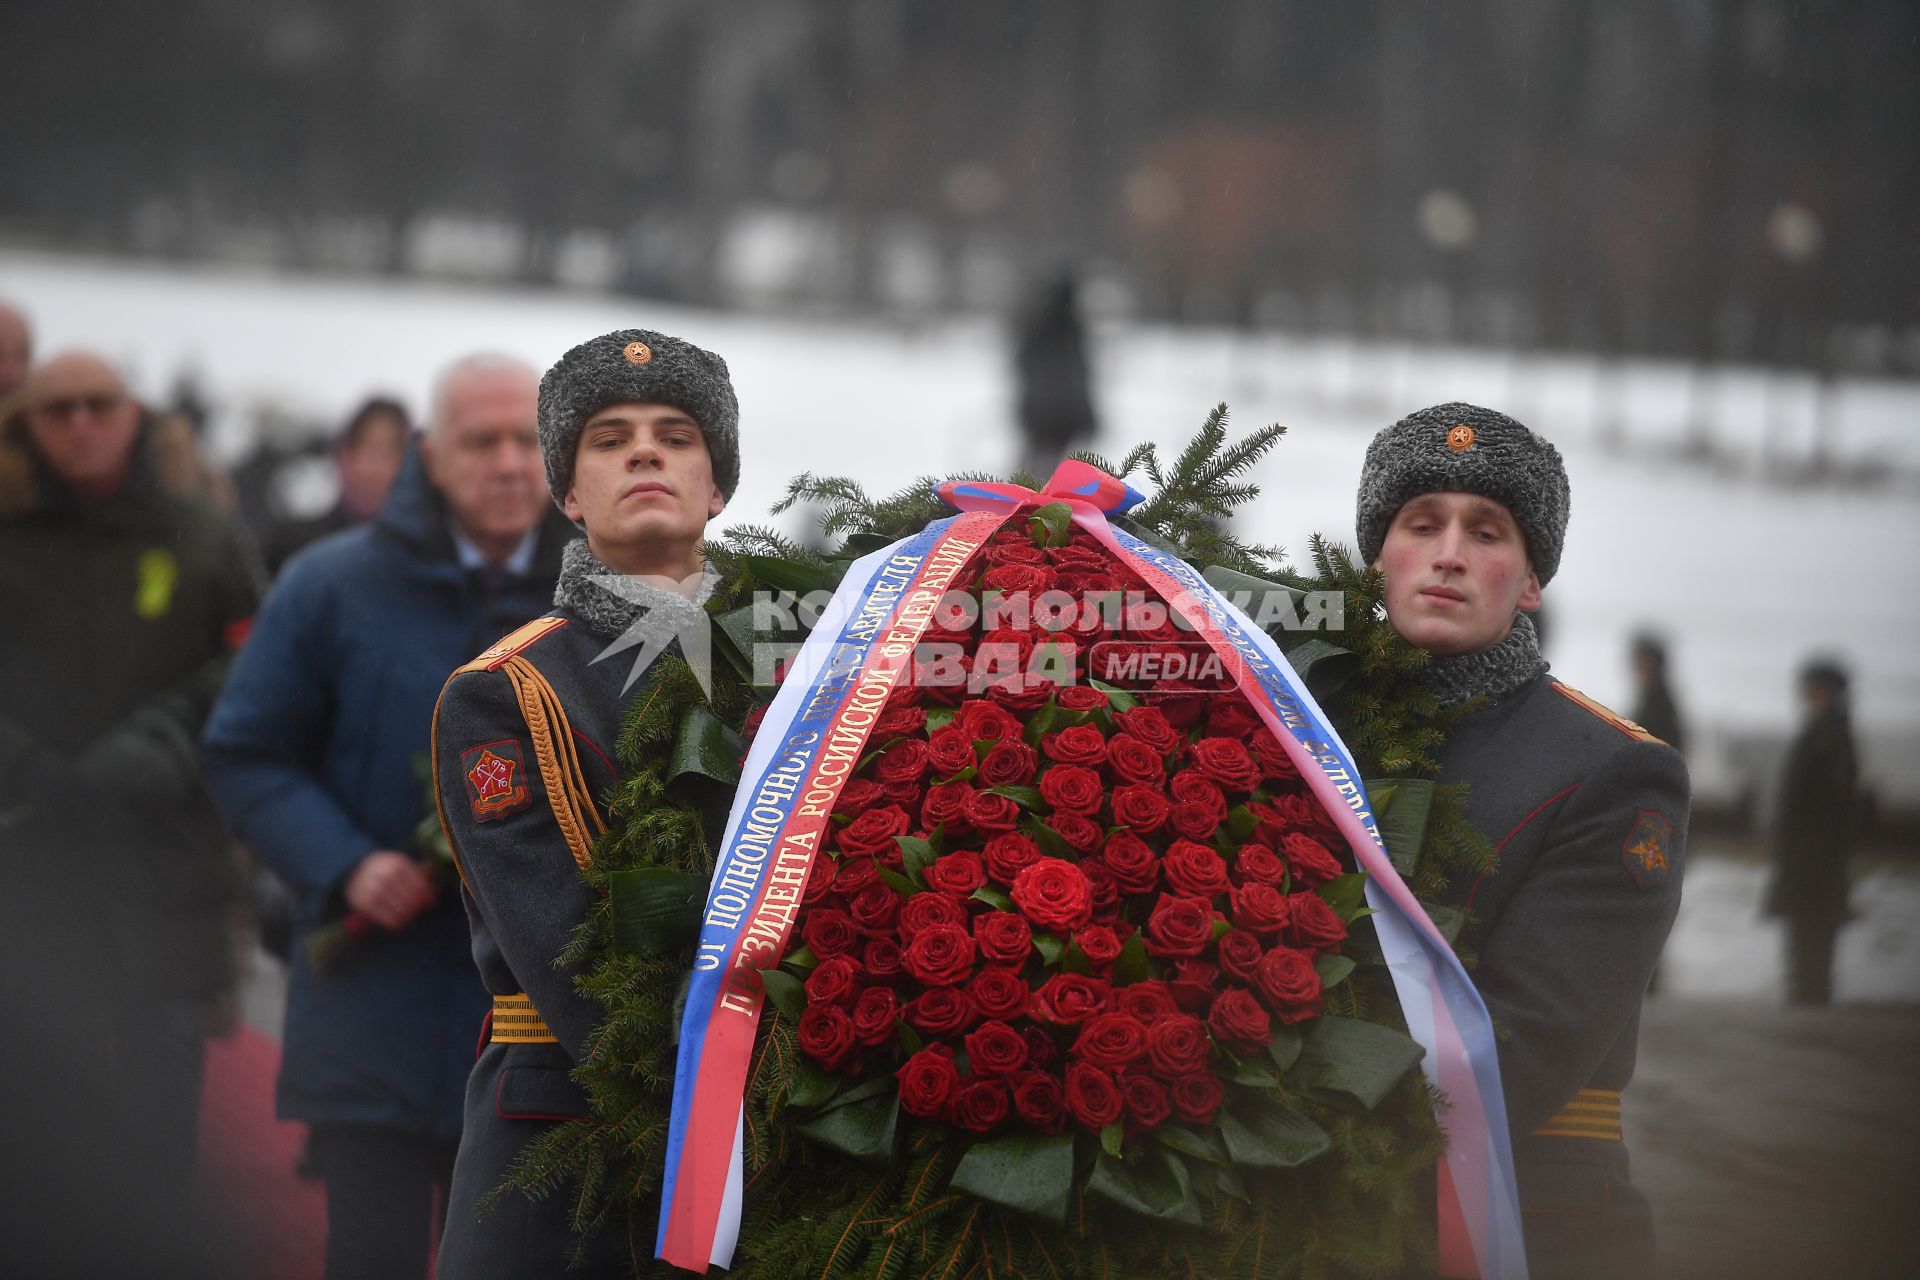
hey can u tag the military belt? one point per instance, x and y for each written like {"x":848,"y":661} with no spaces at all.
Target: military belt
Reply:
{"x":1593,"y":1113}
{"x":516,"y":1021}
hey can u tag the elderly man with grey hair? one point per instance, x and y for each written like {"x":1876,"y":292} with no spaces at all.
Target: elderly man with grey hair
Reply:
{"x":315,"y":755}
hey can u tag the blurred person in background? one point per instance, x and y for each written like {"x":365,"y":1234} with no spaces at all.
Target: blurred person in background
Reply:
{"x":367,"y":457}
{"x":16,"y":349}
{"x":1654,"y":707}
{"x":318,"y":756}
{"x":1820,"y":810}
{"x":121,"y":600}
{"x":1050,"y":367}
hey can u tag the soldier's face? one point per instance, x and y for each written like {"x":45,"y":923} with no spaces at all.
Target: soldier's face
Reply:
{"x":642,"y":483}
{"x":1457,"y":572}
{"x":483,"y":454}
{"x":83,"y":423}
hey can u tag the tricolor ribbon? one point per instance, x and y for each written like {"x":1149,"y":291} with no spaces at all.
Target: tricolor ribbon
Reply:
{"x":808,"y":745}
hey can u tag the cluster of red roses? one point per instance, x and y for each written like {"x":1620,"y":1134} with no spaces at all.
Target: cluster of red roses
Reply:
{"x":1083,"y":908}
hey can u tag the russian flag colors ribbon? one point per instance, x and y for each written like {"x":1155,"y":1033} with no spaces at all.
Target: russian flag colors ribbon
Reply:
{"x":807,"y":747}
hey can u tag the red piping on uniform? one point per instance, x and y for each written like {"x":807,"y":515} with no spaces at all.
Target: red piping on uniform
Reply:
{"x":594,"y":747}
{"x":486,"y":1034}
{"x":500,"y":1085}
{"x":1501,"y":847}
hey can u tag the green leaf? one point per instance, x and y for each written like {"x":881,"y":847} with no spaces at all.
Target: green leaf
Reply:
{"x":1345,"y":894}
{"x":901,"y":885}
{"x":655,"y":910}
{"x":1119,"y":699}
{"x":809,"y":1086}
{"x":916,"y":855}
{"x":1193,"y":1142}
{"x":1026,"y":797}
{"x":939,"y":718}
{"x":1401,"y":807}
{"x":735,"y":638}
{"x":1333,"y":970}
{"x":1352,"y":1064}
{"x":1131,"y":964}
{"x":1251,"y":1074}
{"x":1325,"y":667}
{"x":910,"y":1042}
{"x":1111,"y":1137}
{"x":863,"y":1129}
{"x":1029,"y":1172}
{"x":873,"y":755}
{"x":1157,"y":1188}
{"x":1264,"y":1134}
{"x":705,"y":747}
{"x":1240,"y":823}
{"x":1051,"y":842}
{"x":1050,"y":947}
{"x":992,"y":897}
{"x":1075,"y":960}
{"x":801,"y":957}
{"x":1284,"y":1048}
{"x":786,"y":993}
{"x":1042,"y":722}
{"x":790,"y":575}
{"x":1051,"y":525}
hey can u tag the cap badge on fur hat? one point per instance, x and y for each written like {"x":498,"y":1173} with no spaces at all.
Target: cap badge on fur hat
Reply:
{"x":1460,"y":438}
{"x":638,"y":353}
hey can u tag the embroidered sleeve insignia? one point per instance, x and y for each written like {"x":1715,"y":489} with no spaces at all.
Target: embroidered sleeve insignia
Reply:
{"x":1645,"y":850}
{"x":496,"y":779}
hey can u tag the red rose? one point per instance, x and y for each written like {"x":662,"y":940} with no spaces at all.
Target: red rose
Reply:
{"x":826,"y":1035}
{"x":928,"y":1082}
{"x":949,"y":751}
{"x":940,"y":955}
{"x":1100,"y":946}
{"x":1039,"y":1101}
{"x":1309,"y":860}
{"x":1000,"y":992}
{"x":1275,"y":764}
{"x":1190,"y":786}
{"x":1150,"y":725}
{"x":1287,"y":982}
{"x":1072,"y":788}
{"x":988,"y":812}
{"x":1015,"y":579}
{"x":1081,"y":744}
{"x":1178,"y":1046}
{"x":1148,"y":1001}
{"x":1092,"y":1097}
{"x":1134,"y":866}
{"x":1192,"y":820}
{"x":1196,"y":1099}
{"x":819,"y":881}
{"x":1257,"y":864}
{"x":945,"y":805}
{"x":1314,"y":926}
{"x":1139,"y":809}
{"x":1194,"y":869}
{"x":1015,"y":553}
{"x":925,"y":910}
{"x":1259,"y":908}
{"x":1238,"y":1021}
{"x":996,"y":1049}
{"x":833,"y":981}
{"x":1041,"y":1049}
{"x":1134,"y":761}
{"x":1027,"y":693}
{"x":904,"y":761}
{"x":959,"y":873}
{"x":982,"y":721}
{"x":899,"y":722}
{"x":829,"y":932}
{"x":1070,"y":998}
{"x":1294,"y":810}
{"x":1240,"y":954}
{"x":1232,"y":718}
{"x":873,"y":831}
{"x":1003,"y":937}
{"x":981,"y":1105}
{"x":1081,"y":697}
{"x":856,"y":798}
{"x":940,"y":671}
{"x":1148,"y":1103}
{"x":1011,"y":763}
{"x":1179,"y":927}
{"x":1008,"y":854}
{"x":874,"y":1015}
{"x":1106,"y":895}
{"x":751,"y":728}
{"x":908,"y":796}
{"x":1078,"y":559}
{"x":856,"y":876}
{"x":881,"y":956}
{"x":1078,"y":830}
{"x":1111,"y":1041}
{"x":874,"y":908}
{"x":1192,"y":984}
{"x":941,"y":1011}
{"x":1054,"y":895}
{"x":1227,"y":762}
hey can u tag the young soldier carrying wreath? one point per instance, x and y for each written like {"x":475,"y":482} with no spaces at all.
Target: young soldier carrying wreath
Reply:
{"x":641,"y":437}
{"x":1465,"y":510}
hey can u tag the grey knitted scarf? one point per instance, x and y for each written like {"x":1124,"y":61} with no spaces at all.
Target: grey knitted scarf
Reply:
{"x":1491,"y":673}
{"x":609,"y":603}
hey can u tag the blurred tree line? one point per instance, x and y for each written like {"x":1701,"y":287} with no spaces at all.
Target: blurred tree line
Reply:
{"x":1714,"y":179}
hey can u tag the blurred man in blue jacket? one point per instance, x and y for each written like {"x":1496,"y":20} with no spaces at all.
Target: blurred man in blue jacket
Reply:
{"x":312,"y":754}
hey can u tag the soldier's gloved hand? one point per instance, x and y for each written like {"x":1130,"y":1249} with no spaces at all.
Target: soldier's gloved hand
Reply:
{"x":390,"y":888}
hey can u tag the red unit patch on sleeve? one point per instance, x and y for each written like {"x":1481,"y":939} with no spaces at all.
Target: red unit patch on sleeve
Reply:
{"x":496,"y":779}
{"x":1645,"y":850}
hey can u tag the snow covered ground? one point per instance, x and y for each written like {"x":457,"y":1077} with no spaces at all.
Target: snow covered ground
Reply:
{"x":1746,"y":575}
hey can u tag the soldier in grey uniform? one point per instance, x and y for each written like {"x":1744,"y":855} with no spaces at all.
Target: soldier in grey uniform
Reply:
{"x":641,"y":437}
{"x":1464,"y":510}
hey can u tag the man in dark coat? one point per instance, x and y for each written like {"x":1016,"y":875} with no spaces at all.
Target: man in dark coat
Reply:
{"x":1813,"y":833}
{"x":367,"y":458}
{"x":120,"y":603}
{"x":1464,"y":511}
{"x":316,"y":754}
{"x":641,"y":434}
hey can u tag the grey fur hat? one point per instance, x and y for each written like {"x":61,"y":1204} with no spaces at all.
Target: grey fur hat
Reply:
{"x":1462,"y":448}
{"x":638,"y":365}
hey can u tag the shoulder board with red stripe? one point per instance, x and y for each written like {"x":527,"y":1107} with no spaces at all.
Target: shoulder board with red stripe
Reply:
{"x":512,"y":643}
{"x":1606,"y":713}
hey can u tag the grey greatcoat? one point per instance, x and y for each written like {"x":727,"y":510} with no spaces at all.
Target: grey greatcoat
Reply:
{"x":1589,"y":814}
